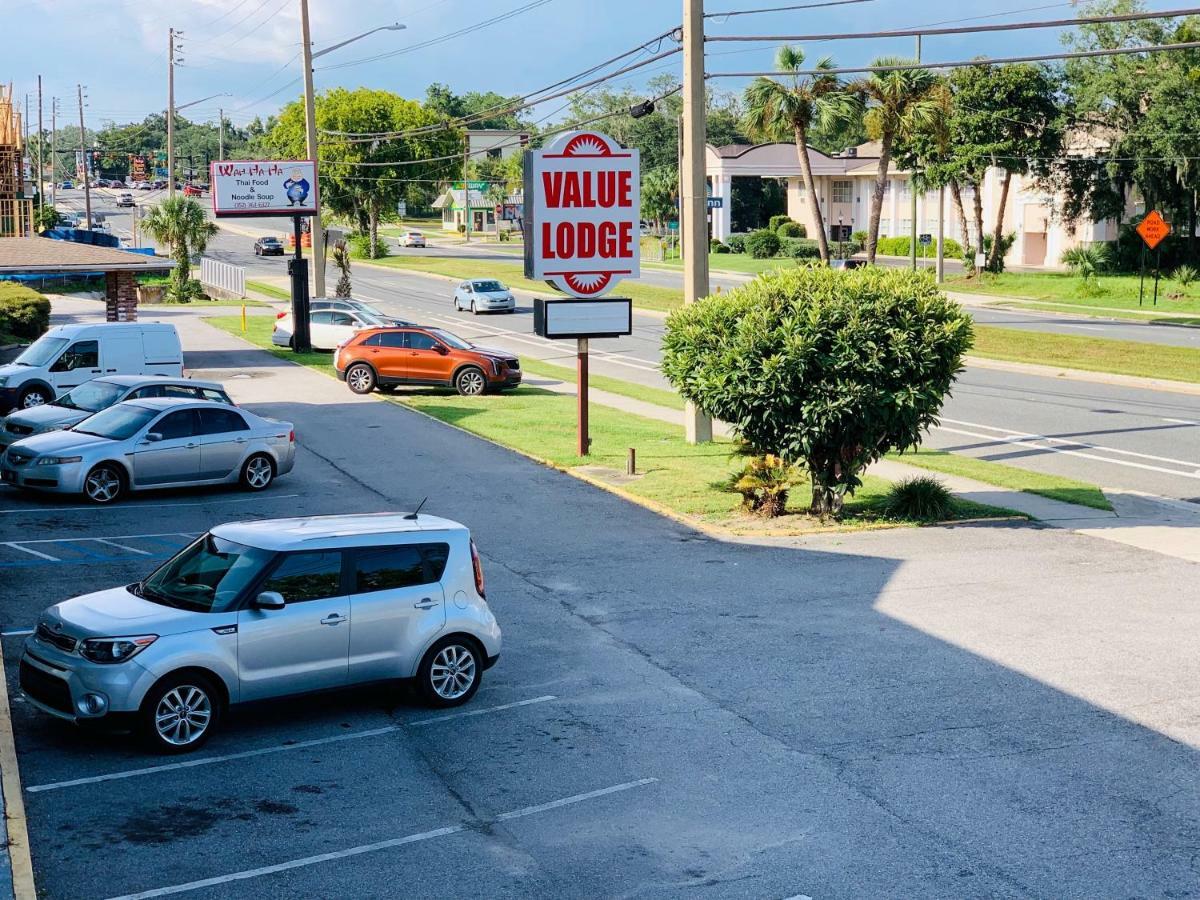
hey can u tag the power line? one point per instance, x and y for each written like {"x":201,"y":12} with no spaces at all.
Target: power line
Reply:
{"x":752,"y":12}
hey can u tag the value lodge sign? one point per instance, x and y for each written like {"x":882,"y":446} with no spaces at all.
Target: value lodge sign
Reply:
{"x":267,"y":188}
{"x":583,"y":206}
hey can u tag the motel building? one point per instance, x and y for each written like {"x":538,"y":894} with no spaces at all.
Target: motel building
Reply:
{"x":845,"y":183}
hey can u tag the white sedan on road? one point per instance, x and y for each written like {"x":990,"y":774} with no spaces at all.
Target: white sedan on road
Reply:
{"x":484,"y":295}
{"x":412,"y":239}
{"x":327,"y":328}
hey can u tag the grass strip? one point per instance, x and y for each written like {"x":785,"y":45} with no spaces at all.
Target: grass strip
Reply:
{"x":1093,"y":354}
{"x":268,"y":290}
{"x":657,"y":396}
{"x":1054,"y":487}
{"x":205,"y":304}
{"x":1129,"y":315}
{"x":685,"y":479}
{"x":1111,"y":291}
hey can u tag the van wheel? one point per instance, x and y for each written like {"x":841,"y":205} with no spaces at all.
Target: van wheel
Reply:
{"x":104,"y":484}
{"x":450,"y":672}
{"x":34,"y":396}
{"x":470,"y":382}
{"x":360,"y":378}
{"x":258,"y":472}
{"x":180,"y":713}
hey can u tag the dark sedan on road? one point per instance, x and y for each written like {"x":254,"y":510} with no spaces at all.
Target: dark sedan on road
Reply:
{"x":268,"y":246}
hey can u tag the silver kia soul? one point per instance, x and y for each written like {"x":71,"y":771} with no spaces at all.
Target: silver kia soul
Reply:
{"x":255,"y":610}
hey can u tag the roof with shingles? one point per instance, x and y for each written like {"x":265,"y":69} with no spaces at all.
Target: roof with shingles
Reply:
{"x":20,"y":255}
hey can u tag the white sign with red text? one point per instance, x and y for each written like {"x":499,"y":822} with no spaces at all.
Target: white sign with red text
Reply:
{"x":264,"y":188}
{"x":583,"y":211}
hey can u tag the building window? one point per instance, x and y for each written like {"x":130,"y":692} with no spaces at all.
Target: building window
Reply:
{"x":905,"y":189}
{"x":885,"y":227}
{"x":494,"y":152}
{"x":905,"y":227}
{"x":843,"y":192}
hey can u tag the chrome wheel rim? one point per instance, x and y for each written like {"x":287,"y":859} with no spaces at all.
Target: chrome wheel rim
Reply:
{"x":360,"y":380}
{"x":102,"y":485}
{"x":183,"y":715}
{"x":258,"y":472}
{"x":452,"y":672}
{"x":32,"y":399}
{"x":471,"y":382}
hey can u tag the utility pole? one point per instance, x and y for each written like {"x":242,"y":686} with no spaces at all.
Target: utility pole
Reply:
{"x":941,"y":251}
{"x":170,"y":112}
{"x":87,"y":188}
{"x":316,"y":231}
{"x":912,"y":179}
{"x":679,"y":176}
{"x":53,"y":150}
{"x":41,"y":136}
{"x":221,"y":135}
{"x":467,"y":184}
{"x":697,"y":426}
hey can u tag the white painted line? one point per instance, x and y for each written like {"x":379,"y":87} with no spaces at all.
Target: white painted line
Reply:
{"x":17,"y":633}
{"x":265,"y":751}
{"x":1182,"y":421}
{"x":120,"y":546}
{"x":798,"y":897}
{"x":379,"y":845}
{"x":31,"y":551}
{"x":123,"y":537}
{"x":1078,"y":443}
{"x":141,"y":506}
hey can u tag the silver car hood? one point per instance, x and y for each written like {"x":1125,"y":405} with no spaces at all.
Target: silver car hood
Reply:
{"x":116,"y":612}
{"x":58,"y":441}
{"x":496,"y":295}
{"x":47,"y":416}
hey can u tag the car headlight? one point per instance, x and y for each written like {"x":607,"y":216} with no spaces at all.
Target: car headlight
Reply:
{"x":115,"y":649}
{"x":58,"y":460}
{"x":3,"y":380}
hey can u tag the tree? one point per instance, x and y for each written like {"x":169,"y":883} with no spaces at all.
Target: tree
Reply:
{"x":660,"y":191}
{"x":788,"y":110}
{"x":487,"y":109}
{"x":898,"y":106}
{"x":341,"y":259}
{"x":181,"y":225}
{"x":828,"y":368}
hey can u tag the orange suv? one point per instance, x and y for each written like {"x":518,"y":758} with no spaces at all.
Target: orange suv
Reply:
{"x":387,"y":357}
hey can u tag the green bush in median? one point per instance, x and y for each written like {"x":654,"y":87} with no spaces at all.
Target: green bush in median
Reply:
{"x":763,"y":244}
{"x":827,"y":368}
{"x":24,"y":313}
{"x":920,"y":499}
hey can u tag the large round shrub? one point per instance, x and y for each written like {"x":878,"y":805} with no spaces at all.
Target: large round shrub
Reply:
{"x":774,"y":222}
{"x":24,"y":313}
{"x":800,"y":248}
{"x":791,"y":229}
{"x":828,"y":368}
{"x":763,"y":244}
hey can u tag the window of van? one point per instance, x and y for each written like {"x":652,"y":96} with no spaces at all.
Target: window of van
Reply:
{"x":387,"y":568}
{"x":80,"y":355}
{"x":41,"y":351}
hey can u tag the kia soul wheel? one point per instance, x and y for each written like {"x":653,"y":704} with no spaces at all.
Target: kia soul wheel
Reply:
{"x":180,"y":713}
{"x":450,"y":672}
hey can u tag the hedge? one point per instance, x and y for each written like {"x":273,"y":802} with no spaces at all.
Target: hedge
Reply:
{"x":763,"y":244}
{"x":791,"y":229}
{"x":900,"y":246}
{"x":774,"y":222}
{"x":24,"y":313}
{"x":800,"y":248}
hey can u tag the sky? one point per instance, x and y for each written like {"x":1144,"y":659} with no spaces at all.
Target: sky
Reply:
{"x":248,"y":50}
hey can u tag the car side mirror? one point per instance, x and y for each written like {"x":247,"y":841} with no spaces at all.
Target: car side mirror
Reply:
{"x":440,"y":349}
{"x":153,"y":437}
{"x":269,"y":600}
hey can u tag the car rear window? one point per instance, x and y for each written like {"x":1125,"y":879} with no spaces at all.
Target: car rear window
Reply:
{"x":409,"y":565}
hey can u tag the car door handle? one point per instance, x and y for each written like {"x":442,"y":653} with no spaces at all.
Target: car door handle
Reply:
{"x":192,"y":446}
{"x":334,"y":619}
{"x":110,"y":370}
{"x":425,"y":603}
{"x":239,"y":440}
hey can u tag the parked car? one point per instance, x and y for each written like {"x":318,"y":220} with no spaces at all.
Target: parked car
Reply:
{"x":193,"y":190}
{"x":67,"y":186}
{"x":412,"y":239}
{"x":67,"y":219}
{"x":327,"y":328}
{"x":258,"y":610}
{"x":143,"y":186}
{"x":268,"y":246}
{"x":419,"y":355}
{"x":847,"y":263}
{"x":100,"y":393}
{"x":68,"y":355}
{"x":153,"y":443}
{"x":484,"y":295}
{"x":125,"y":200}
{"x":349,"y":304}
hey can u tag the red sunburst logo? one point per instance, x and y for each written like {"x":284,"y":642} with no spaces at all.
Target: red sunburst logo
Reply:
{"x":585,"y":144}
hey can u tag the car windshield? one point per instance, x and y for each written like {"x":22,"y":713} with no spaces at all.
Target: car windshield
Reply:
{"x":368,"y":309}
{"x":270,"y":240}
{"x":451,"y":340}
{"x":91,"y":396}
{"x":207,"y":576}
{"x":488,"y":287}
{"x":117,"y":422}
{"x":41,"y":351}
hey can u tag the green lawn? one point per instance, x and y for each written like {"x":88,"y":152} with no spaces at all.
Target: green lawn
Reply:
{"x":729,"y":262}
{"x":1056,"y":488}
{"x":268,"y":290}
{"x":657,"y":396}
{"x":1093,"y":354}
{"x":645,"y":296}
{"x":1115,"y":291}
{"x":678,"y":477}
{"x":206,"y":304}
{"x":1149,"y":315}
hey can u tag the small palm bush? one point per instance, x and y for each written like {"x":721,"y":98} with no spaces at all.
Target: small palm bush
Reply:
{"x":341,"y":259}
{"x":1184,"y":276}
{"x":1088,"y":261}
{"x":764,"y":484}
{"x":922,"y":499}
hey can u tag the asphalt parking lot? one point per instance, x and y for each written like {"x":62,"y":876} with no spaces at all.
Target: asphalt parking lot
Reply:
{"x":906,"y":713}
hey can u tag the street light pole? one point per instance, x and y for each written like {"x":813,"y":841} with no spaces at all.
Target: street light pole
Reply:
{"x":53,"y":150}
{"x":41,"y":136}
{"x":171,"y":112}
{"x":697,"y":426}
{"x":912,"y":179}
{"x":316,"y":231}
{"x":221,"y":134}
{"x":87,"y":189}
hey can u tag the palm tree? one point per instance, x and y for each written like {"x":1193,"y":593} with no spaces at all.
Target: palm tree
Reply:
{"x":341,"y":259}
{"x":788,"y":109}
{"x":898,"y":104}
{"x":180,"y":224}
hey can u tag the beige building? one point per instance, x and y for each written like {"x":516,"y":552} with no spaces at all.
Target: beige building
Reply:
{"x":846,"y":182}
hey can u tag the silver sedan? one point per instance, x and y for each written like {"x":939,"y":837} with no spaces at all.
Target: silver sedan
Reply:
{"x":153,"y":443}
{"x":484,"y":295}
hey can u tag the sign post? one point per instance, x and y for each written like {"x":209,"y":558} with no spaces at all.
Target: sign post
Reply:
{"x":1153,"y":229}
{"x":247,"y":188}
{"x":582,"y":209}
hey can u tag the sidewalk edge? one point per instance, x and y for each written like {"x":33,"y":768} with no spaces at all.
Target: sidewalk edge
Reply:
{"x":14,"y":804}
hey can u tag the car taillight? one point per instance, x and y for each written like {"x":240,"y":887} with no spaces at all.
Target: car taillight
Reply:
{"x":292,"y":436}
{"x":280,"y":315}
{"x":478,"y":567}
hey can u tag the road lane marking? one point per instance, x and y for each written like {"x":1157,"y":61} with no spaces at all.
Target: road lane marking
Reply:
{"x":383,"y":845}
{"x":141,"y":506}
{"x":121,"y":537}
{"x":1182,"y":421}
{"x":265,"y":751}
{"x":1074,"y":442}
{"x":121,"y":546}
{"x":38,"y":553}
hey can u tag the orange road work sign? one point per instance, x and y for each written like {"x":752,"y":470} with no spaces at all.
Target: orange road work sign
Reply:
{"x":1153,"y":229}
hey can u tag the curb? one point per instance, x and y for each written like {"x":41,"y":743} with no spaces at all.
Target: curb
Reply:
{"x":20,"y":864}
{"x":1110,"y":378}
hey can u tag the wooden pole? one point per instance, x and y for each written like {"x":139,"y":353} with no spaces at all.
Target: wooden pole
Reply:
{"x":581,"y":380}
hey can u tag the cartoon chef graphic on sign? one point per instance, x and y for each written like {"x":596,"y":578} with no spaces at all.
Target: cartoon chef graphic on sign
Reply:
{"x":297,"y":188}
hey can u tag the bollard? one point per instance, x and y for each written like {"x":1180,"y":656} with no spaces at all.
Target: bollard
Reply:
{"x":631,"y":462}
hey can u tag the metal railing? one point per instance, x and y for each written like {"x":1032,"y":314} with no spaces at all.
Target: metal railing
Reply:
{"x":223,"y":278}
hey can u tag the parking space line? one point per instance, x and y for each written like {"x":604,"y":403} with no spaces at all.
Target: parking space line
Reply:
{"x":265,"y":751}
{"x":381,"y":845}
{"x":56,"y":509}
{"x":123,"y":537}
{"x":121,"y":546}
{"x":30,"y":550}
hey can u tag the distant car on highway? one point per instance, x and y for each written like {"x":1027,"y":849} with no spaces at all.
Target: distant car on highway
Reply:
{"x":67,"y":186}
{"x":100,"y":393}
{"x":349,"y":304}
{"x":143,"y":186}
{"x":418,"y":355}
{"x":125,"y":200}
{"x":268,"y":246}
{"x":193,"y":190}
{"x":153,"y":443}
{"x":327,"y":328}
{"x":412,"y":239}
{"x":484,"y":295}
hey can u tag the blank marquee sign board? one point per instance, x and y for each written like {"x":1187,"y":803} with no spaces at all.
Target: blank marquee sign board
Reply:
{"x":582,"y":236}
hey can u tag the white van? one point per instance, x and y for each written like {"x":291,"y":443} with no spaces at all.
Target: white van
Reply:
{"x":68,"y":355}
